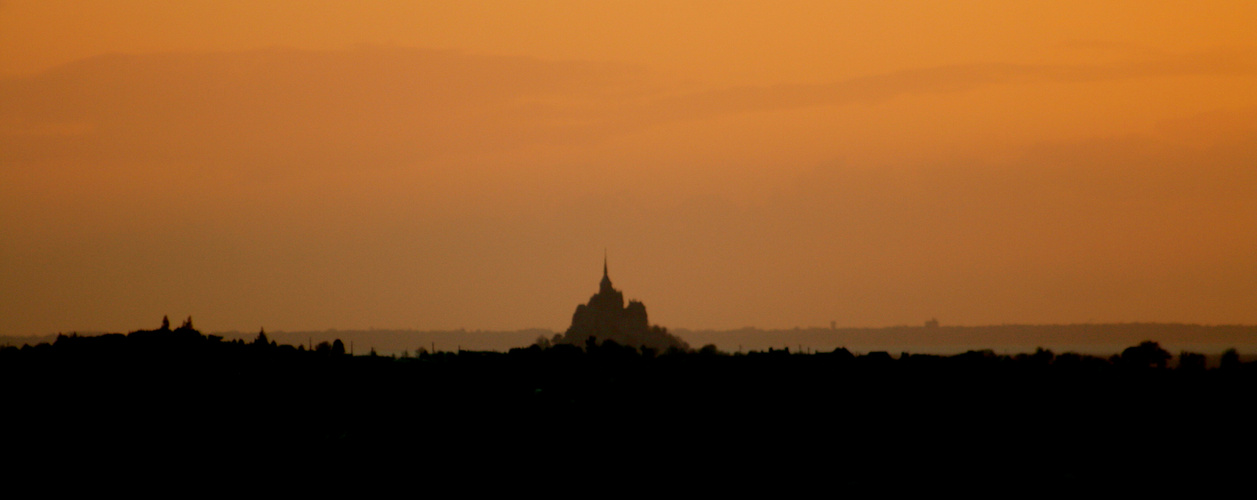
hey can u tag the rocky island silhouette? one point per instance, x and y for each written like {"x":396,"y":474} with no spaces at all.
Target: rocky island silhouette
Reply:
{"x":605,"y":318}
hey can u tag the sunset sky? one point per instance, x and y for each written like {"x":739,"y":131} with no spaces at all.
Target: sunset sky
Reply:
{"x":431,"y":165}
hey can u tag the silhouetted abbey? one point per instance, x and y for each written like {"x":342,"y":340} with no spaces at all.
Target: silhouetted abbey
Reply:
{"x":606,"y":318}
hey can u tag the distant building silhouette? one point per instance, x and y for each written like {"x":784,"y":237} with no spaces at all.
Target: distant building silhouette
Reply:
{"x":606,"y":317}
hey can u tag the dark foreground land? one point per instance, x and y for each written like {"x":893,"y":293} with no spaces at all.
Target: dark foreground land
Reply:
{"x":610,"y":411}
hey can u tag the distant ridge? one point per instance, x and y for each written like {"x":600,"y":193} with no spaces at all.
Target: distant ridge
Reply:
{"x":1094,"y":338}
{"x":1097,"y":338}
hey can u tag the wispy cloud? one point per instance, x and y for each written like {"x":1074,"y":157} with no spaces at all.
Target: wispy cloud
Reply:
{"x":276,"y":109}
{"x":953,"y":78}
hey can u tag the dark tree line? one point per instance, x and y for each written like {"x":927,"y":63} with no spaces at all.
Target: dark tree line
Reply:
{"x":604,"y":407}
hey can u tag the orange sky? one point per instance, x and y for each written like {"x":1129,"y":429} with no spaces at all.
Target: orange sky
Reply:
{"x":310,"y":165}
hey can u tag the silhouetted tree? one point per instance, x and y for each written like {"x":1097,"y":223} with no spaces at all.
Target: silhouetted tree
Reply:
{"x":1230,"y":359}
{"x":338,"y":348}
{"x":165,"y":323}
{"x":1145,"y":355}
{"x":1042,"y":356}
{"x":1191,"y":362}
{"x":261,"y":338}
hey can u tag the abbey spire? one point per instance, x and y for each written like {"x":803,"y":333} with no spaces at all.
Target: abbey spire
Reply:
{"x":605,"y":286}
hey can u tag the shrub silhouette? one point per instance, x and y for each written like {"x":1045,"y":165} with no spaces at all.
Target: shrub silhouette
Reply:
{"x":1147,"y":354}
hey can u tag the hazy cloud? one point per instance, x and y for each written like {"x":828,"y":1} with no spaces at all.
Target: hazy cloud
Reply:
{"x":283,"y":109}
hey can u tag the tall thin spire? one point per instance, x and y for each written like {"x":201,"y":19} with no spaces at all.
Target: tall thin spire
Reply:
{"x":605,"y":286}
